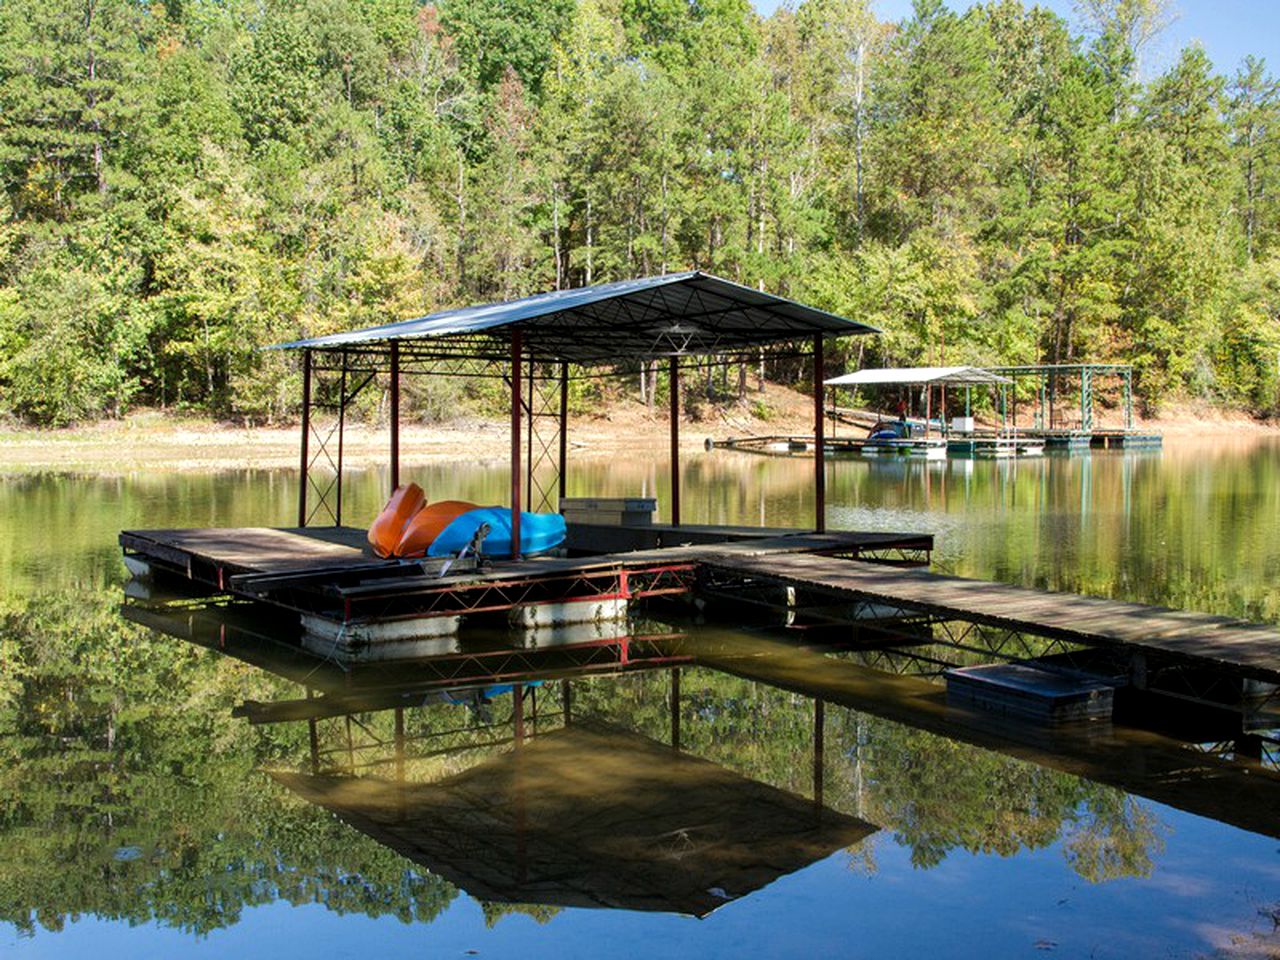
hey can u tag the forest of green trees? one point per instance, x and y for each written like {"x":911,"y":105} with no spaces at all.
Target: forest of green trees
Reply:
{"x":188,"y":180}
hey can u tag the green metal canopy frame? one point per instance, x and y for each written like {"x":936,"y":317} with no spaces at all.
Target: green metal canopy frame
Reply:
{"x":1051,"y":378}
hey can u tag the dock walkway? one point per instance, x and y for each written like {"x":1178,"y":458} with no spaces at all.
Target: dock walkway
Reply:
{"x":1221,"y":642}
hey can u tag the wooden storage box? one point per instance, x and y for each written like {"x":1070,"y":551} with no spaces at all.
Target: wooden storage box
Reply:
{"x":611,"y":511}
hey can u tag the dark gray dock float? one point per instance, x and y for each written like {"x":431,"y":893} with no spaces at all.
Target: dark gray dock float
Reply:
{"x":1030,"y":692}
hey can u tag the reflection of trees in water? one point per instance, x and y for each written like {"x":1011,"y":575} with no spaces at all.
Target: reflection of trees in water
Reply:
{"x":129,"y":792}
{"x":937,"y":795}
{"x":493,"y":912}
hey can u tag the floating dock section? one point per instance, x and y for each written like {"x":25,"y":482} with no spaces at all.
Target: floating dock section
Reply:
{"x":928,"y":448}
{"x":868,"y":580}
{"x":357,"y":606}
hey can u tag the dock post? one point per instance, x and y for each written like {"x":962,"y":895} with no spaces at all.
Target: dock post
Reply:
{"x":342,"y":430}
{"x":529,"y":489}
{"x":564,"y":428}
{"x":306,"y":437}
{"x":675,"y":441}
{"x":1128,"y":398}
{"x":395,"y":415}
{"x":819,"y":441}
{"x":516,"y":467}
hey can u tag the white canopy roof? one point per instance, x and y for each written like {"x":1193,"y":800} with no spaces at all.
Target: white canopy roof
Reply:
{"x":969,"y":376}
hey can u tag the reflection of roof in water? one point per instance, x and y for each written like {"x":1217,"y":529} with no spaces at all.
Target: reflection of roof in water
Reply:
{"x":593,"y":817}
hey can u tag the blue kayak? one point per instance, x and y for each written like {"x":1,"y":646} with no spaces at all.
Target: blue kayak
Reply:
{"x":538,"y":532}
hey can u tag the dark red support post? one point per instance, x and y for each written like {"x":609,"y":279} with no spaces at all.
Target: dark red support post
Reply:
{"x":528,"y":439}
{"x":517,"y":468}
{"x":342,"y":429}
{"x":564,"y":430}
{"x":675,"y":441}
{"x":306,"y":437}
{"x":819,"y":439}
{"x":395,"y":415}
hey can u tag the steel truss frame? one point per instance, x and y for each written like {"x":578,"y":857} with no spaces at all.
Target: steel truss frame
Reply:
{"x":428,"y":598}
{"x":545,"y":409}
{"x":899,"y":646}
{"x":332,"y":390}
{"x":543,"y":449}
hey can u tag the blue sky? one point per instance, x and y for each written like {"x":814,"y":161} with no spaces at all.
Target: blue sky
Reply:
{"x":1228,"y":29}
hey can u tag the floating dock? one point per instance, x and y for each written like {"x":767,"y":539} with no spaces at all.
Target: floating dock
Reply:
{"x":1103,"y":438}
{"x":373,"y":608}
{"x":1176,"y":662}
{"x":928,"y":448}
{"x":1027,"y":443}
{"x":352,"y":603}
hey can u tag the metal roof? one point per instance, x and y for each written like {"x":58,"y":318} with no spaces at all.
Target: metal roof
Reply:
{"x":679,"y":313}
{"x":970,"y":376}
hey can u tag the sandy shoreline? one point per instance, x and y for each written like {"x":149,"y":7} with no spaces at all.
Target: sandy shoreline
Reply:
{"x":162,"y":441}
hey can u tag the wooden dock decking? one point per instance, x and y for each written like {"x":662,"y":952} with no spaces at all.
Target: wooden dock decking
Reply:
{"x":329,"y":572}
{"x":250,"y":549}
{"x":1221,"y":642}
{"x":326,"y":572}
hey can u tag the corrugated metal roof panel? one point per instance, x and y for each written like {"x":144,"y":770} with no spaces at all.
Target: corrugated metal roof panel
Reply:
{"x":677,"y":313}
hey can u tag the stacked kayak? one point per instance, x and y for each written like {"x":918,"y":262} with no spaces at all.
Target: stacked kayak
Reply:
{"x":388,"y":528}
{"x":425,"y":526}
{"x":408,"y":526}
{"x":539,"y":532}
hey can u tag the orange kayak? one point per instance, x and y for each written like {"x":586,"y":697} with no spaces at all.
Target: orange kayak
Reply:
{"x":425,"y":525}
{"x":385,"y":534}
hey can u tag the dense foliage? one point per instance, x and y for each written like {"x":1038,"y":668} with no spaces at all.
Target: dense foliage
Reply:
{"x":184,"y":182}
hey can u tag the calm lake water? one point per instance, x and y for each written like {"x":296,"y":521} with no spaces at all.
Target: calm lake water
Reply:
{"x":139,"y":818}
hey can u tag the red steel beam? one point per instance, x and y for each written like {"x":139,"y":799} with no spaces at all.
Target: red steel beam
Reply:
{"x":395,"y":415}
{"x":517,"y":469}
{"x":819,"y":439}
{"x":306,"y":437}
{"x":675,"y":441}
{"x":564,"y":428}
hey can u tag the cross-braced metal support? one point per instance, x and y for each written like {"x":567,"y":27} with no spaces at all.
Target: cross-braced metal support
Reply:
{"x":546,"y":410}
{"x":328,"y":390}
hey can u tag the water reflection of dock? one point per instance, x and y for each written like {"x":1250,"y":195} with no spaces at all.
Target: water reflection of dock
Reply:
{"x":600,"y":774}
{"x":589,"y":816}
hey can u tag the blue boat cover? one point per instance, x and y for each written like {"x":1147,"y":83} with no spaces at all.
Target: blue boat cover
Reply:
{"x":539,"y":532}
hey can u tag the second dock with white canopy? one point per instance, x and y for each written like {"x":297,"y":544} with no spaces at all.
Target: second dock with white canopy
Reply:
{"x":927,"y":377}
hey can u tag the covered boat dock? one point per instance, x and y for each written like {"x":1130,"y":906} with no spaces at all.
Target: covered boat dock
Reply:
{"x":357,"y":606}
{"x":535,"y":346}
